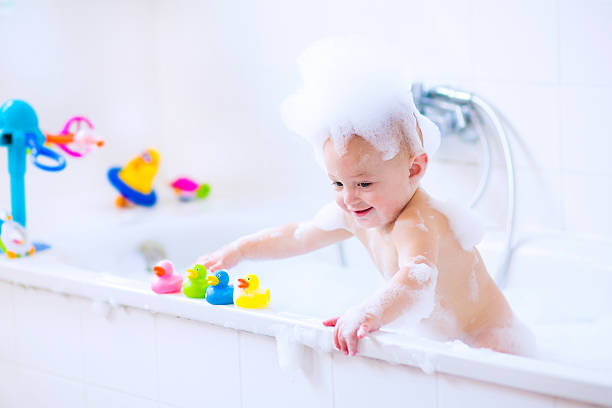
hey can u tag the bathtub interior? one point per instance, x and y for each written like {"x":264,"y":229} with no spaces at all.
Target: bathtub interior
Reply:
{"x":562,"y":297}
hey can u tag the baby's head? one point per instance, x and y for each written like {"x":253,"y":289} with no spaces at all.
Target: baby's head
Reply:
{"x":357,"y":111}
{"x":370,"y":187}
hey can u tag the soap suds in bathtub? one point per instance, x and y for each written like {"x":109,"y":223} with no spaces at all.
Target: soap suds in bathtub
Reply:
{"x":328,"y":218}
{"x":465,"y":224}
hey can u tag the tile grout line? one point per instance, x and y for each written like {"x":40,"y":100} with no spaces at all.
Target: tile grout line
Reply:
{"x":83,"y":364}
{"x":332,"y":380}
{"x":241,"y":385}
{"x":156,"y":343}
{"x":562,"y":215}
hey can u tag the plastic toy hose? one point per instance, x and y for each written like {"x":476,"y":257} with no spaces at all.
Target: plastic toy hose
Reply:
{"x":18,"y":132}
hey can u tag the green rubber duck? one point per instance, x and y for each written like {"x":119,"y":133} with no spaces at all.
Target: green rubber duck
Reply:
{"x":196,"y":283}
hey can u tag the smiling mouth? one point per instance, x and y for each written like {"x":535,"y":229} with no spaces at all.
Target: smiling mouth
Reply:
{"x":361,"y":213}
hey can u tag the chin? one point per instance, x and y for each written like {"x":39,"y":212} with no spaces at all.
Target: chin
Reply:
{"x":369,"y":223}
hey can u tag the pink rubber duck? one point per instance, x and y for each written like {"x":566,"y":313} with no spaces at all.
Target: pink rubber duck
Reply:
{"x":165,"y":280}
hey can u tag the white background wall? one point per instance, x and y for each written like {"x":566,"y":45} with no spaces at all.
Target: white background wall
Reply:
{"x":203,"y":81}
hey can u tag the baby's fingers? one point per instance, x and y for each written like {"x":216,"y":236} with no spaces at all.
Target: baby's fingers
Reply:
{"x":336,"y":339}
{"x":331,"y":322}
{"x":342,"y":342}
{"x":203,"y":259}
{"x":363,"y":330}
{"x":352,"y":344}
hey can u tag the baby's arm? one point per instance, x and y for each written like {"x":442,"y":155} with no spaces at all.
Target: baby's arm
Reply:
{"x":417,"y":274}
{"x":281,"y":242}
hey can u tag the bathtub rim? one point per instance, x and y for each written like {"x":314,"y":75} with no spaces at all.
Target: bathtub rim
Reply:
{"x":521,"y":373}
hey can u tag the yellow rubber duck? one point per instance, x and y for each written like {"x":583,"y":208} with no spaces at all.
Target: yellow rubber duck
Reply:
{"x":249,"y":295}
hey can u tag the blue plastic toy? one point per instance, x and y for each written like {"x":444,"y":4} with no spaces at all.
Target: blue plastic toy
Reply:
{"x":219,"y":292}
{"x":18,"y":132}
{"x":134,"y":181}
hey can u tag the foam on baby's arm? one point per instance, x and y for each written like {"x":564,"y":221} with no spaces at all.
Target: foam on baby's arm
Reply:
{"x":401,"y":303}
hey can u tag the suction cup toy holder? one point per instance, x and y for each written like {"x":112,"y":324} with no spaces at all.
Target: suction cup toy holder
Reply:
{"x":19,"y":132}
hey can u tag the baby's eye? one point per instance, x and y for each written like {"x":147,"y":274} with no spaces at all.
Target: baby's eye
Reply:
{"x":364,"y":185}
{"x":336,"y":184}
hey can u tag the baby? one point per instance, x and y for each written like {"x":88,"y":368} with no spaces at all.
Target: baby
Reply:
{"x":375,"y":166}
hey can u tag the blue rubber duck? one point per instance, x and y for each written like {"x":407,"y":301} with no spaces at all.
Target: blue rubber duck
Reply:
{"x":218,"y":291}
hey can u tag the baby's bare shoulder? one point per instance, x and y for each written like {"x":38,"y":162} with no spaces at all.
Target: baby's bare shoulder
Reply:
{"x":418,"y":214}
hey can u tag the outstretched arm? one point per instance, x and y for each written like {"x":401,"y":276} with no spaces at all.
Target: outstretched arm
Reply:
{"x":281,"y":242}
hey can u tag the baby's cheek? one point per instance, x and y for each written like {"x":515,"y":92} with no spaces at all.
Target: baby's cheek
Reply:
{"x":340,"y":201}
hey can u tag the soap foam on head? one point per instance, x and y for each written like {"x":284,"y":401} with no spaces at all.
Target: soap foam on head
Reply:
{"x":352,"y":85}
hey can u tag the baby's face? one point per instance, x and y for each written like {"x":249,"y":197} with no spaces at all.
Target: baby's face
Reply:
{"x":372,"y":190}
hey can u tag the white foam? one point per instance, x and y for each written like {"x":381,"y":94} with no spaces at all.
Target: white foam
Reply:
{"x":466,"y":225}
{"x":328,"y":218}
{"x":353,"y":85}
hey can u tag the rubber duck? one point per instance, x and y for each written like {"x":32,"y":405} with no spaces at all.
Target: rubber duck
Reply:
{"x":135,"y":181}
{"x":219,"y":292}
{"x":14,"y":238}
{"x":250,"y":296}
{"x":196,"y":284}
{"x":165,"y":280}
{"x":186,"y":189}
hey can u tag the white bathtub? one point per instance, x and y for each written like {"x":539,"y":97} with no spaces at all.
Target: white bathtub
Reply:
{"x":80,"y":327}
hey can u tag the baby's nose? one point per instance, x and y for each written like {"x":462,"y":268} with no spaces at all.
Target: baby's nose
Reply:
{"x":351,"y":197}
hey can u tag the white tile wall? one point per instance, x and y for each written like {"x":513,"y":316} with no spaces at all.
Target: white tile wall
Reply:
{"x":588,"y":200}
{"x":35,"y":389}
{"x":8,"y":384}
{"x":563,"y":403}
{"x":7,"y":322}
{"x":514,"y":40}
{"x":197,"y":363}
{"x":584,"y":47}
{"x":97,"y":397}
{"x":586,"y":129}
{"x":120,"y":351}
{"x":539,"y":204}
{"x":360,"y":382}
{"x":461,"y":392}
{"x":265,"y":384}
{"x":49,"y":331}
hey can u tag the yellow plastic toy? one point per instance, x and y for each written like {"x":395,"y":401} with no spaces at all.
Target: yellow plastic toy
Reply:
{"x":135,"y":181}
{"x":248,"y":294}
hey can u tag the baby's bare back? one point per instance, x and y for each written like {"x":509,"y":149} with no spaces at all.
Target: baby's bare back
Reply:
{"x":468,"y":302}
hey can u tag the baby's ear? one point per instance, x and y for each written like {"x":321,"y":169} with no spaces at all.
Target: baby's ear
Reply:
{"x":419,"y":165}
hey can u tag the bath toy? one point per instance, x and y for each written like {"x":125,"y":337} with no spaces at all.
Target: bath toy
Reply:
{"x":196,"y":284}
{"x":18,"y":132}
{"x":186,"y":189}
{"x":250,"y":296}
{"x":77,"y":138}
{"x":219,"y":292}
{"x":14,"y":239}
{"x":135,"y":181}
{"x":165,"y":280}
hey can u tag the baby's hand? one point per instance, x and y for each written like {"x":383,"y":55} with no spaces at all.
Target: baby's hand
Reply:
{"x":353,"y":325}
{"x":224,"y":258}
